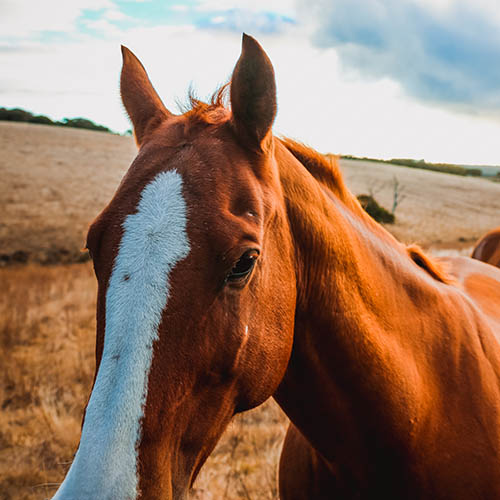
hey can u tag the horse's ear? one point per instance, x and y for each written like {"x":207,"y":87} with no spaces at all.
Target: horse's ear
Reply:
{"x":253,"y":95}
{"x":143,"y":105}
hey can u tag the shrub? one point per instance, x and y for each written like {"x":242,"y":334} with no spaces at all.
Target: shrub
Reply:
{"x":371,"y":207}
{"x":41,"y":119}
{"x":437,"y":167}
{"x":82,"y":123}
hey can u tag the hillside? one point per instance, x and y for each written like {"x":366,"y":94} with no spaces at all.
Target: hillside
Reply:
{"x":56,"y":180}
{"x":437,"y":209}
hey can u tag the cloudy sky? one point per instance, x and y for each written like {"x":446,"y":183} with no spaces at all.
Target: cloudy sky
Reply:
{"x":379,"y":78}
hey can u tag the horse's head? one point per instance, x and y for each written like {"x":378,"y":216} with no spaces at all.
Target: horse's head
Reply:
{"x":197,"y":291}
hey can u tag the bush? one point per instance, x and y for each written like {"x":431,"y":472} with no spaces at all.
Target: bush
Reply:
{"x":447,"y":168}
{"x":371,"y":207}
{"x":82,"y":123}
{"x":41,"y":119}
{"x":20,"y":115}
{"x":437,"y":167}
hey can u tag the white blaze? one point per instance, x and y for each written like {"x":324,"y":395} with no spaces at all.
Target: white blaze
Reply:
{"x":154,"y":240}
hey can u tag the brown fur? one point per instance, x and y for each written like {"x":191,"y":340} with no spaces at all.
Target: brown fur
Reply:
{"x":323,"y":169}
{"x":433,"y":267}
{"x":211,"y":113}
{"x":388,"y":368}
{"x":487,"y":248}
{"x":326,"y":170}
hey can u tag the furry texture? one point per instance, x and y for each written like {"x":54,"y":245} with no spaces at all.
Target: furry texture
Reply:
{"x":487,"y":248}
{"x":153,"y":242}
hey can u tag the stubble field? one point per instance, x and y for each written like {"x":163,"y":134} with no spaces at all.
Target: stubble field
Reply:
{"x":54,"y":182}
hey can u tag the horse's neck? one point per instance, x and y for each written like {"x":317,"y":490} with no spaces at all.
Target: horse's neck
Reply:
{"x":388,"y":359}
{"x":346,"y":262}
{"x":356,"y":349}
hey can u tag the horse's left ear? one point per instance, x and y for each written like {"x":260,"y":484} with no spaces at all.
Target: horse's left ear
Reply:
{"x":253,"y":95}
{"x":143,"y":105}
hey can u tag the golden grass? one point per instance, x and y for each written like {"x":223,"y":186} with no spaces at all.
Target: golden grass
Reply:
{"x":437,"y":210}
{"x":46,"y":342}
{"x":47,"y":339}
{"x":54,"y":182}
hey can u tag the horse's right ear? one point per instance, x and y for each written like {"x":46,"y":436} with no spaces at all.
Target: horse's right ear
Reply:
{"x":143,"y":105}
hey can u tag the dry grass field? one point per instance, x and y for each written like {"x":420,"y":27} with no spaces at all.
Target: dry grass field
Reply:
{"x":54,"y":182}
{"x":437,"y":209}
{"x":47,"y":335}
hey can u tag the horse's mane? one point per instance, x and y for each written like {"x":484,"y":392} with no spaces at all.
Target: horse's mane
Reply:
{"x":325,"y":169}
{"x":212,"y":112}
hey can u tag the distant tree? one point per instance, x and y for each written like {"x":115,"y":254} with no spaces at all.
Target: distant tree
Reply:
{"x":447,"y":168}
{"x":15,"y":115}
{"x":20,"y":115}
{"x":41,"y":119}
{"x":83,"y":123}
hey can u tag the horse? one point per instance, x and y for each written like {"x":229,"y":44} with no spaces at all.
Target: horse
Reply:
{"x":233,"y":265}
{"x":487,"y":248}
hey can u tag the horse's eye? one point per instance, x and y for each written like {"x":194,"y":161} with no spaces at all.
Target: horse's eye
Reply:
{"x":242,"y":269}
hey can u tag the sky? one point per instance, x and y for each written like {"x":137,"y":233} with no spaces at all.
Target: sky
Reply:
{"x":378,"y":78}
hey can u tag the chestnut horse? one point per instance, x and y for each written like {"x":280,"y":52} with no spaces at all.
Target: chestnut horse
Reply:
{"x":233,"y":266}
{"x":487,"y":248}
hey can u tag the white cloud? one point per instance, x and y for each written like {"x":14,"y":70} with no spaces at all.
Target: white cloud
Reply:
{"x":282,"y":7}
{"x":22,"y":18}
{"x":218,"y":19}
{"x":114,"y":14}
{"x":104,"y":27}
{"x":489,"y":8}
{"x":179,"y":8}
{"x":317,"y":101}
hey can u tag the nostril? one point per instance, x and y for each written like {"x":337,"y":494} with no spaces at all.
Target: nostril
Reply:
{"x":126,"y":277}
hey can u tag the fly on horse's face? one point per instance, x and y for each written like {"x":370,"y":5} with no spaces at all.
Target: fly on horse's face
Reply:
{"x":196,"y":288}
